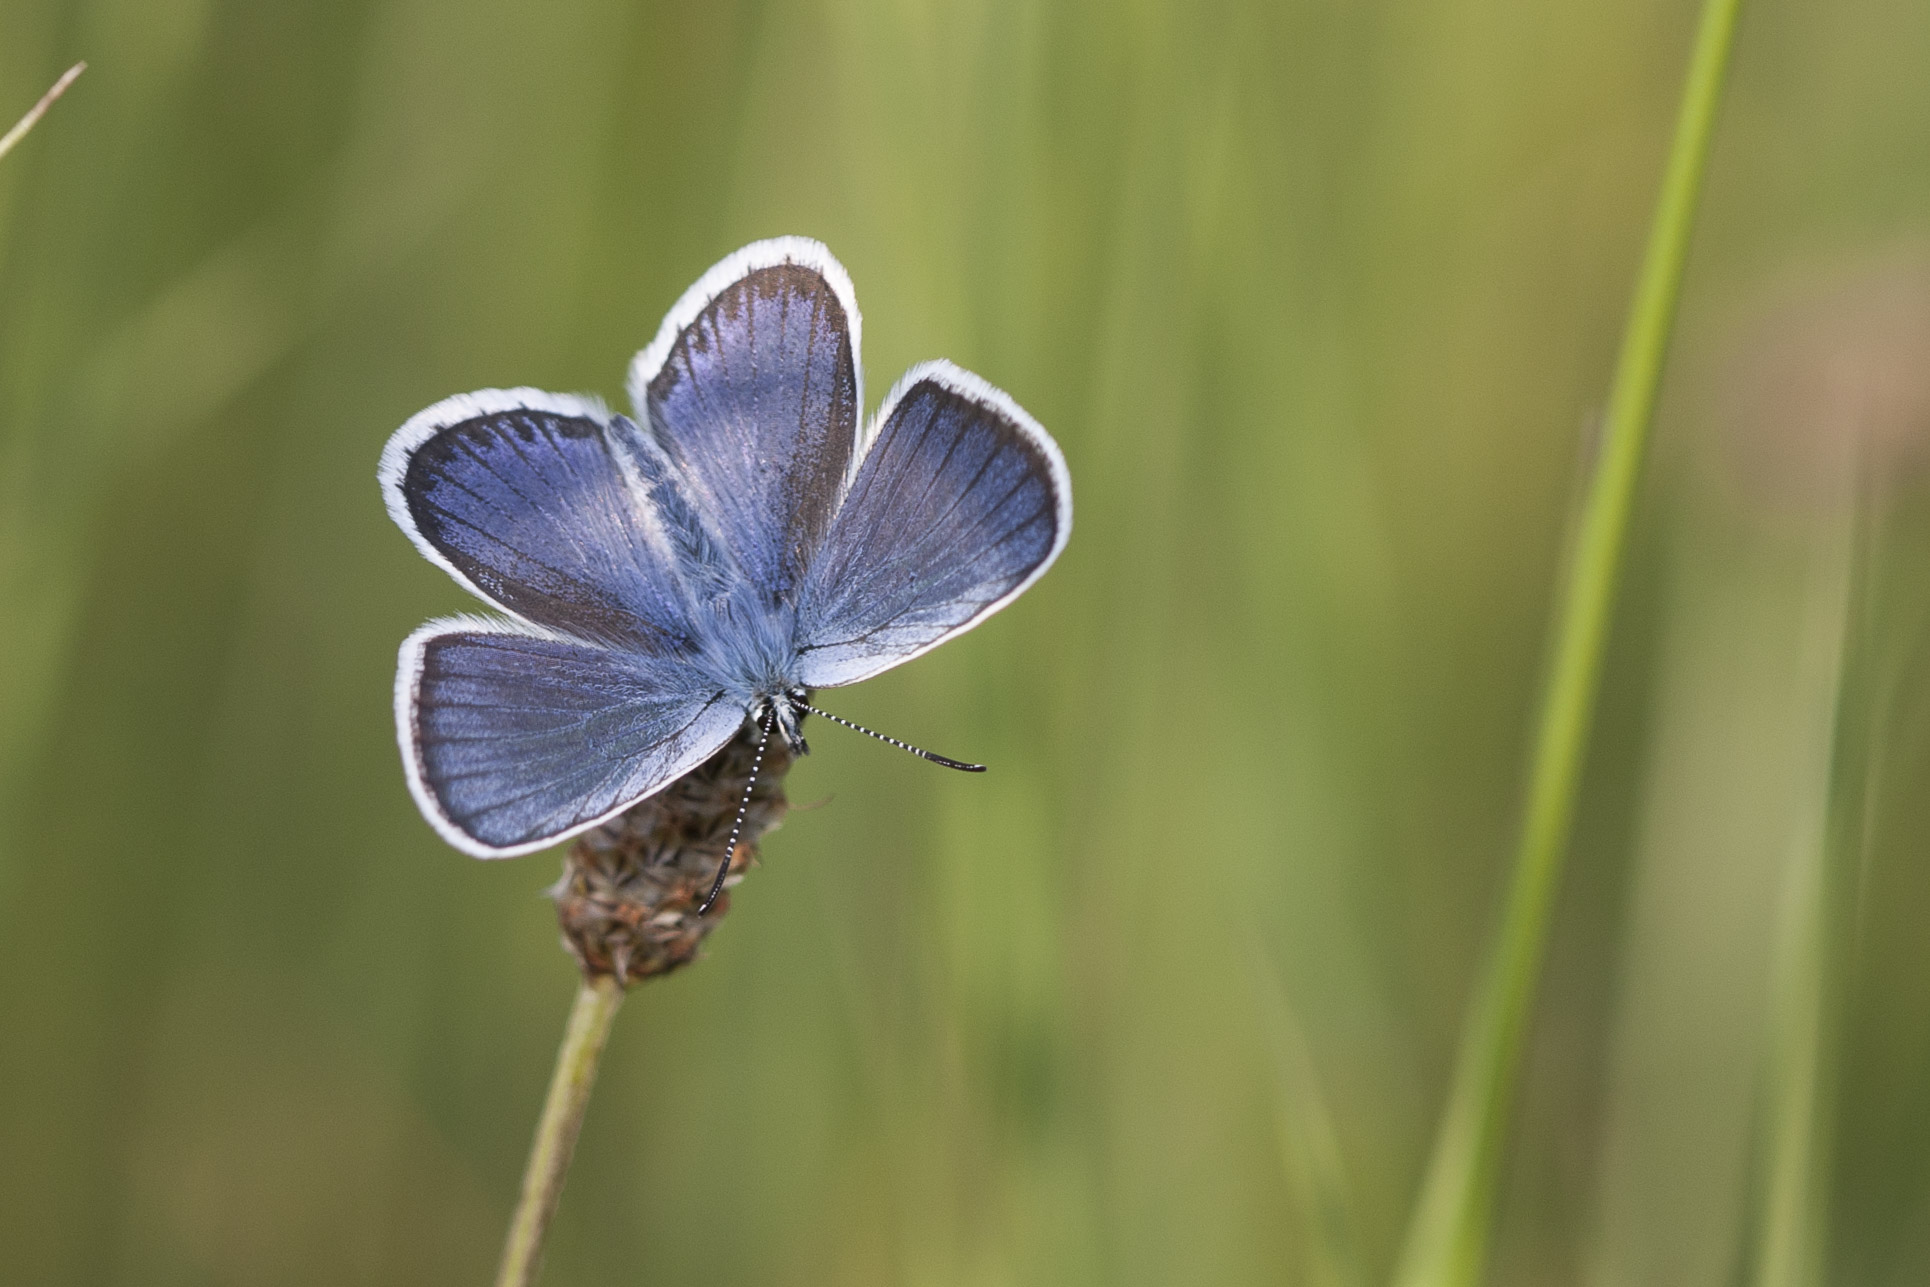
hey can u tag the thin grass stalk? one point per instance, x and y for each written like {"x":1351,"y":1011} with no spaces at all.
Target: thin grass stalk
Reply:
{"x":627,"y":905}
{"x":549,"y":1157}
{"x":38,"y":110}
{"x":1447,"y":1238}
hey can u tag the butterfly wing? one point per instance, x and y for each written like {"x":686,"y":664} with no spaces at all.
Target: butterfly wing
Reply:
{"x":752,"y":388}
{"x":531,"y":502}
{"x":960,"y":503}
{"x":518,"y":733}
{"x":514,"y":737}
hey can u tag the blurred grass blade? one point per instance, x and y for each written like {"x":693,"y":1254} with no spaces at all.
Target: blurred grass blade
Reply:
{"x":1448,"y":1233}
{"x":1788,"y":1225}
{"x":38,"y":110}
{"x":1309,"y":1143}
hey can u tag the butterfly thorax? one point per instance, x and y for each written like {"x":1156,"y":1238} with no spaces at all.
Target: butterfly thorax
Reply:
{"x":749,"y":644}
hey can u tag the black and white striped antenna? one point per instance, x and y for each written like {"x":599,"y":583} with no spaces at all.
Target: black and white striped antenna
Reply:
{"x":743,"y":805}
{"x":945,"y":760}
{"x":764,"y":739}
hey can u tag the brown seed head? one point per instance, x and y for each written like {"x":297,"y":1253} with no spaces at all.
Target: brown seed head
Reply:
{"x":628,"y":899}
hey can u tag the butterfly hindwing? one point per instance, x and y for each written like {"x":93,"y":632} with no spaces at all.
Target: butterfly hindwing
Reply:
{"x":961,"y":501}
{"x":514,"y":738}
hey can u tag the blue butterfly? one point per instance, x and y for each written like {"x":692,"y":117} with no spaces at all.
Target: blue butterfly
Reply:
{"x":739,"y":543}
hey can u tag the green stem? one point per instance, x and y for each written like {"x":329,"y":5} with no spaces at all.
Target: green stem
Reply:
{"x":1447,"y":1239}
{"x":549,"y":1158}
{"x":38,"y":110}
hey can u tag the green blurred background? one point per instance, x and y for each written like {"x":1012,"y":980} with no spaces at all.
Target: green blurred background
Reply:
{"x":1321,"y":300}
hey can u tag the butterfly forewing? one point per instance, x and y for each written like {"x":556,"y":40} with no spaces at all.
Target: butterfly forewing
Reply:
{"x":522,"y":496}
{"x":753,"y":390}
{"x":960,"y":503}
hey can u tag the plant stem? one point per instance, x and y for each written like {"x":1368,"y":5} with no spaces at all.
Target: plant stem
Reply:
{"x":549,"y":1158}
{"x":38,"y":110}
{"x":1447,"y":1238}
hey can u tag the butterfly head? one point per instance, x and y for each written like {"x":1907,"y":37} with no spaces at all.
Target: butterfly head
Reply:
{"x":786,"y":710}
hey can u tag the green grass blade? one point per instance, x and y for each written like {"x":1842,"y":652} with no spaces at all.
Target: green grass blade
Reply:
{"x":1448,"y":1235}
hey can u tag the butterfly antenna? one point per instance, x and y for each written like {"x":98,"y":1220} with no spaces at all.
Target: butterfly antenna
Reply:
{"x":903,"y":746}
{"x":743,"y":806}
